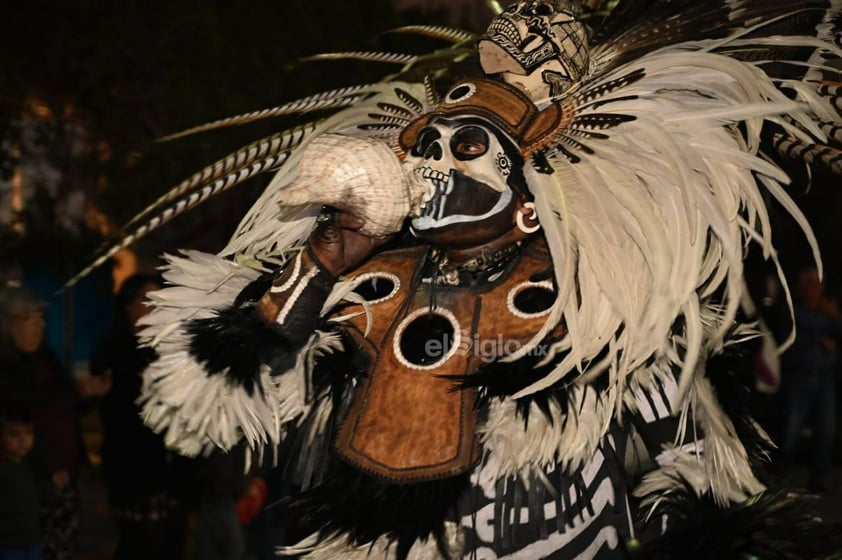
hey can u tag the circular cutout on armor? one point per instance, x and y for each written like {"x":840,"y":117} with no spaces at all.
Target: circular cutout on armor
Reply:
{"x":531,"y":299}
{"x":426,"y":339}
{"x":460,"y":93}
{"x":376,"y":287}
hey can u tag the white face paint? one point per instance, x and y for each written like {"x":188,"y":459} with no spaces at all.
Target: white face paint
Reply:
{"x":463,"y":167}
{"x":539,"y":46}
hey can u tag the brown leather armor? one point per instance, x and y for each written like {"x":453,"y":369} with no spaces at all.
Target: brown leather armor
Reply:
{"x":406,"y":422}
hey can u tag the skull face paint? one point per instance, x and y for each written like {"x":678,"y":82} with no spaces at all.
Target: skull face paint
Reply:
{"x":538,"y":45}
{"x":464,"y":165}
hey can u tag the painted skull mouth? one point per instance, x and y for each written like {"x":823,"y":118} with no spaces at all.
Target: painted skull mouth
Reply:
{"x":438,"y":186}
{"x":440,"y":207}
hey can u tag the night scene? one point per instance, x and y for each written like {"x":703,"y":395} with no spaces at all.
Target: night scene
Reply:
{"x":421,"y":279}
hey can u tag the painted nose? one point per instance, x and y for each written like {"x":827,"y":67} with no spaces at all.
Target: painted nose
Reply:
{"x":433,"y":151}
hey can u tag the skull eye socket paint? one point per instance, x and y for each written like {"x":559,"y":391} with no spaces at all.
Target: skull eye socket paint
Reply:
{"x":426,"y":137}
{"x":468,"y":143}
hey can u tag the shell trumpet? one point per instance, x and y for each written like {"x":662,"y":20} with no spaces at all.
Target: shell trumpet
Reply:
{"x":361,"y":176}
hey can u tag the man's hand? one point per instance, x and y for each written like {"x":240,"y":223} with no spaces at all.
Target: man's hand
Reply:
{"x":339,"y":245}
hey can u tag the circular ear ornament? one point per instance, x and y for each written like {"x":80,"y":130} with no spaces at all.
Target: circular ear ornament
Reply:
{"x":504,"y":164}
{"x":533,"y":216}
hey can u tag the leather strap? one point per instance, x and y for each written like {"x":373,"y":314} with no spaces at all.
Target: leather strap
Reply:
{"x":296,"y":297}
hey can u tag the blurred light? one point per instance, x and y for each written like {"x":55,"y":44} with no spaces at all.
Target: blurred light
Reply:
{"x":17,"y":200}
{"x":125,"y":265}
{"x":38,"y":108}
{"x":96,"y":220}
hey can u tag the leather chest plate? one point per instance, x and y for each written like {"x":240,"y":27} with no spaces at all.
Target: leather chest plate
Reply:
{"x":407,"y":421}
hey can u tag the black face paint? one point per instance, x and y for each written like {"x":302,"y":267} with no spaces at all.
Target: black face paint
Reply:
{"x":426,"y":137}
{"x":469,"y":142}
{"x":469,"y":198}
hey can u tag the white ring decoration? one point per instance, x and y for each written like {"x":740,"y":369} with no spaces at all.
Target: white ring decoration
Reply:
{"x":472,"y":89}
{"x":454,"y":347}
{"x":533,"y":215}
{"x":396,"y":282}
{"x":510,"y":299}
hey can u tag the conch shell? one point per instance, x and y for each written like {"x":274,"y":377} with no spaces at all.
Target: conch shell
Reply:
{"x":361,"y":176}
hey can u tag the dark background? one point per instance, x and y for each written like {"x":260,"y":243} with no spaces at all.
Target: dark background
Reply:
{"x":127,"y":73}
{"x":86,"y":88}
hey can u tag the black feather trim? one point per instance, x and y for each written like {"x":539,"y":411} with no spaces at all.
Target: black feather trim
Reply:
{"x":367,"y":508}
{"x":236,"y":342}
{"x":503,"y":379}
{"x":732,"y":376}
{"x":774,"y":525}
{"x":637,"y":27}
{"x":333,"y":377}
{"x":257,"y":288}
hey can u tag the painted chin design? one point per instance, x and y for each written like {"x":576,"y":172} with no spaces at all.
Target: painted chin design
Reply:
{"x":455,"y":198}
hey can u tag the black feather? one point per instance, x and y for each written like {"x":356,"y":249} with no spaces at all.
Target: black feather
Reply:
{"x":256,"y":288}
{"x":365,"y":508}
{"x":499,"y":379}
{"x":732,"y":375}
{"x":334,"y":376}
{"x":774,"y":525}
{"x":637,"y":27}
{"x":600,"y":121}
{"x":236,"y":343}
{"x":503,"y":379}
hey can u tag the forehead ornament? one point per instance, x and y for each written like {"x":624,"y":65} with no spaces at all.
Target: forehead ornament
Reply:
{"x":503,"y":106}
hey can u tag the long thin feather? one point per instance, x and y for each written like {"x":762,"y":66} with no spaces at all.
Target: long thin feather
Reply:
{"x":332,"y":99}
{"x":262,"y":149}
{"x":811,"y":153}
{"x":182,"y":206}
{"x":389,"y":58}
{"x":451,"y":34}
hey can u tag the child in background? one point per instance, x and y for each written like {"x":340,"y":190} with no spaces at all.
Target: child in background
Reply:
{"x":20,"y":533}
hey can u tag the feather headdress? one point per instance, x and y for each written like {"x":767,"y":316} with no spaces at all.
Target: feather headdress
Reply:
{"x":648,"y":193}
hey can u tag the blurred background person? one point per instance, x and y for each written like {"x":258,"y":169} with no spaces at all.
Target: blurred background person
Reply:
{"x":32,"y":374}
{"x":809,"y":377}
{"x":140,"y":474}
{"x":20,"y":526}
{"x":223,"y":508}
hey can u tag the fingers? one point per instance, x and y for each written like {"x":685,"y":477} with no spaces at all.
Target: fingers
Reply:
{"x":337,"y":227}
{"x":339,"y":219}
{"x":338,"y":242}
